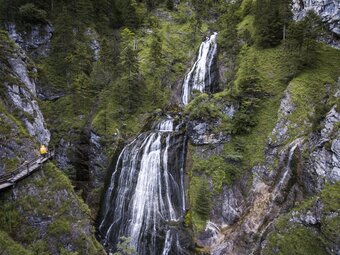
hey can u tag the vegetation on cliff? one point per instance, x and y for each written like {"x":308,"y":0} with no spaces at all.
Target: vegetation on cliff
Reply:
{"x":111,"y":64}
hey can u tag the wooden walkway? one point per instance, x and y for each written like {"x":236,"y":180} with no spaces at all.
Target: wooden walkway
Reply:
{"x":8,"y":180}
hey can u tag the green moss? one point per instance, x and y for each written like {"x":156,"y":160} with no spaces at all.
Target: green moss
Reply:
{"x":10,"y":218}
{"x":202,"y":108}
{"x":39,"y":247}
{"x":59,"y":227}
{"x":223,"y":171}
{"x":8,"y":246}
{"x":11,"y":164}
{"x":50,"y":196}
{"x":61,"y":117}
{"x":330,"y":195}
{"x":8,"y":128}
{"x":247,"y":25}
{"x":295,"y":241}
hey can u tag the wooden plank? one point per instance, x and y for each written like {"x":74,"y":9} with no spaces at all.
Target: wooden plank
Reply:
{"x":5,"y":185}
{"x":23,"y":171}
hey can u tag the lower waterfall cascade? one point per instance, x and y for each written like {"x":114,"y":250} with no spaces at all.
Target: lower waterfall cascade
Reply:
{"x":146,"y":195}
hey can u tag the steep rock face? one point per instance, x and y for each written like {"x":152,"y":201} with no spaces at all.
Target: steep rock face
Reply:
{"x":14,"y":151}
{"x":201,"y":133}
{"x":270,"y":194}
{"x":242,"y":216}
{"x":327,"y":10}
{"x":99,"y":161}
{"x":22,"y":93}
{"x":21,"y":116}
{"x":311,"y":228}
{"x":35,"y":40}
{"x":323,"y":163}
{"x":48,"y":216}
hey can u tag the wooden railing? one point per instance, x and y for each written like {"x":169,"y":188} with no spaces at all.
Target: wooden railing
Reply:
{"x":24,"y":170}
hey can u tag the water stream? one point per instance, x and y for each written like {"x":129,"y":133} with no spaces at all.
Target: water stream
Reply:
{"x":145,"y":200}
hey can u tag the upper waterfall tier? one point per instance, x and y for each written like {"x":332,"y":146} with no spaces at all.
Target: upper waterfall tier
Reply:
{"x":199,"y":77}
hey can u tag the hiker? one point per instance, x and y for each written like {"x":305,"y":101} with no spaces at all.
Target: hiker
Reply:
{"x":43,"y":150}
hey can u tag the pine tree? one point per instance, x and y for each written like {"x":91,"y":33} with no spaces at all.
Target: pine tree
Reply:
{"x":155,"y":54}
{"x":81,"y":93}
{"x":271,"y":17}
{"x":127,"y":14}
{"x":249,"y":92}
{"x":202,"y":201}
{"x":228,"y":36}
{"x":129,"y":87}
{"x":84,"y":12}
{"x":170,"y":5}
{"x":156,"y":71}
{"x":301,"y":41}
{"x":63,"y":44}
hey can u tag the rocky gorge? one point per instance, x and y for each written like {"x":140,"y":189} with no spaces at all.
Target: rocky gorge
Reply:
{"x":270,"y":190}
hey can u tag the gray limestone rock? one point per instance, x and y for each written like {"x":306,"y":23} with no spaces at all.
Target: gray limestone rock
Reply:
{"x":230,"y":110}
{"x":35,"y":40}
{"x":31,"y":114}
{"x":23,"y":96}
{"x":98,"y":160}
{"x":328,"y":10}
{"x":335,"y":172}
{"x":94,"y":43}
{"x":201,"y":133}
{"x":323,"y":162}
{"x":280,"y":132}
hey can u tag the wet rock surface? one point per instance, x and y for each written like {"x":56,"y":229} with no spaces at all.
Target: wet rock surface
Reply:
{"x":99,"y":161}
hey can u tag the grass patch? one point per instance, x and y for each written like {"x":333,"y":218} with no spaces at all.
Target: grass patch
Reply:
{"x":311,"y":87}
{"x":9,"y":246}
{"x":247,"y":25}
{"x":295,"y":241}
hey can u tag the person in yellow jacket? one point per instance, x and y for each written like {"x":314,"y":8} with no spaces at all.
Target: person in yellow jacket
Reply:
{"x":43,"y":150}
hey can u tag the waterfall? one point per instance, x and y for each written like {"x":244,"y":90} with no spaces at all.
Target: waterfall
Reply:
{"x":199,"y":77}
{"x":285,"y":177}
{"x":145,"y":199}
{"x":146,"y":193}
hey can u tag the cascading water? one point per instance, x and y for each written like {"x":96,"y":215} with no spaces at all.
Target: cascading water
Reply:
{"x":146,"y":194}
{"x":145,"y":200}
{"x":285,"y":177}
{"x":199,"y":77}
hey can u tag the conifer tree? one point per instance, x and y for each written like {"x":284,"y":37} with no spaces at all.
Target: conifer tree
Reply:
{"x":129,"y":87}
{"x":63,"y":44}
{"x":85,"y":12}
{"x":156,"y":70}
{"x":170,"y":5}
{"x":202,"y":203}
{"x":81,"y":93}
{"x":271,"y":17}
